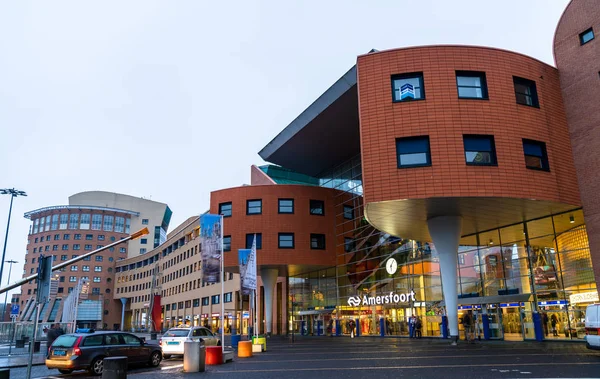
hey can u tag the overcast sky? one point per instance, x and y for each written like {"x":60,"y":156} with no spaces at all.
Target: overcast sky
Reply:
{"x":174,"y":99}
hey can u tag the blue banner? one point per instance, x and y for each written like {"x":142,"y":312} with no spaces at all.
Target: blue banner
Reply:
{"x":211,"y":247}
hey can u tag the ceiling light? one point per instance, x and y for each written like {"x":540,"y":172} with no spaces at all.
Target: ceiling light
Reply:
{"x":571,"y":219}
{"x":491,"y":241}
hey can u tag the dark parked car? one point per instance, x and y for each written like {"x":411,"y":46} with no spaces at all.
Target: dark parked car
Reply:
{"x":86,"y":351}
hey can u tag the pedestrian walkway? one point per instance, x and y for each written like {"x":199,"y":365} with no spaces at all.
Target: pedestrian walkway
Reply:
{"x":15,"y":361}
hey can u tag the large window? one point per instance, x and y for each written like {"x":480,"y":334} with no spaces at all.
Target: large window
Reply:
{"x":85,"y":221}
{"x":348,"y":244}
{"x":253,"y":207}
{"x":225,"y":209}
{"x":348,"y":212}
{"x":205,"y":301}
{"x":226,"y":243}
{"x":286,"y":205}
{"x":317,"y":207}
{"x":73,"y":221}
{"x":586,"y":36}
{"x":406,"y":87}
{"x":54,"y":222}
{"x":317,"y":241}
{"x":471,"y":85}
{"x":215,"y":299}
{"x":535,"y":155}
{"x":525,"y":92}
{"x":250,"y":238}
{"x":286,"y":240}
{"x":479,"y":150}
{"x":47,"y":227}
{"x":119,"y":224}
{"x":227,"y":298}
{"x":108,"y":223}
{"x":64,"y":219}
{"x":413,"y":152}
{"x":96,"y":222}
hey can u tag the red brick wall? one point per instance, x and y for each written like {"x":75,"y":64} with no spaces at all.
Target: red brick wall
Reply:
{"x":445,"y":118}
{"x":270,"y":223}
{"x":579,"y":68}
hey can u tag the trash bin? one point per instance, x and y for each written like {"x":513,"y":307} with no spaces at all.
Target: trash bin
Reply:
{"x":36,"y":346}
{"x":20,"y":344}
{"x":194,"y":356}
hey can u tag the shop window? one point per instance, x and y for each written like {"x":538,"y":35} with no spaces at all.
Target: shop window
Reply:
{"x":225,"y":209}
{"x":586,"y":36}
{"x":286,"y":206}
{"x":407,"y":87}
{"x":536,"y":157}
{"x":317,"y":207}
{"x":480,"y":150}
{"x":226,"y":243}
{"x":254,"y":207}
{"x":526,"y":92}
{"x":471,"y":85}
{"x":413,"y":152}
{"x":317,"y":241}
{"x":286,"y":240}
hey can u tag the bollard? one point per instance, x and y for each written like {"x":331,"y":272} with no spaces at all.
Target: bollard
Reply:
{"x":191,"y":352}
{"x":202,"y":358}
{"x":244,"y":349}
{"x":115,"y":368}
{"x":338,"y":328}
{"x":382,"y":327}
{"x":4,"y":373}
{"x":214,"y":355}
{"x":235,"y":339}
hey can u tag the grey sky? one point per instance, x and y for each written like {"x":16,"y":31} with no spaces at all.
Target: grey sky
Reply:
{"x":174,"y":99}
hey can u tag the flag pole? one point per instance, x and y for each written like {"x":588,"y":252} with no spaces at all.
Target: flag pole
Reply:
{"x":222,"y":290}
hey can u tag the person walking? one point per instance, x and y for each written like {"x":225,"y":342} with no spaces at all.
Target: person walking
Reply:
{"x":553,"y":323}
{"x":418,"y":326}
{"x":467,"y":322}
{"x":411,"y":327}
{"x":53,"y":333}
{"x":351,"y":326}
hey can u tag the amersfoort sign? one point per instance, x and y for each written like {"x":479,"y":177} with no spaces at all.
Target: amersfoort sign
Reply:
{"x":392,"y":298}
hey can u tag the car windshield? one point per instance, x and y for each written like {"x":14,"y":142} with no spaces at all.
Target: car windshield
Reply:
{"x":65,"y":341}
{"x":177,"y":333}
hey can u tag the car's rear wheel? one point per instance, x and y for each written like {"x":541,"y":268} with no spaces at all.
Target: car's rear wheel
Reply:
{"x":155,"y":359}
{"x":64,"y":371}
{"x":97,"y":366}
{"x":166,"y":356}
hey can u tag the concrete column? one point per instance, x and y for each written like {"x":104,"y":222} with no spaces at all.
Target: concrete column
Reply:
{"x":269,"y":279}
{"x":445,"y":233}
{"x":123,"y":303}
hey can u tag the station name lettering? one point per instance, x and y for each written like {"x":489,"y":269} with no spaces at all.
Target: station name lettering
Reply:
{"x":392,"y":298}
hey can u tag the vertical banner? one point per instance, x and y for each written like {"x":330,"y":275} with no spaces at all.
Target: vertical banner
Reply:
{"x":247,"y":259}
{"x":212,"y":247}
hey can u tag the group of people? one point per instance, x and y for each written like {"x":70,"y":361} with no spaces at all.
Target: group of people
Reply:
{"x":53,"y":333}
{"x":414,"y":327}
{"x":468,"y":322}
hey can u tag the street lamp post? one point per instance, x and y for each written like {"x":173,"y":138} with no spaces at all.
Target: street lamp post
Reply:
{"x":13,"y":193}
{"x":7,"y":282}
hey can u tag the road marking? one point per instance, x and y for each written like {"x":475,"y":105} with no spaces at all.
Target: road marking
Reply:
{"x":362,"y":368}
{"x":171,"y":367}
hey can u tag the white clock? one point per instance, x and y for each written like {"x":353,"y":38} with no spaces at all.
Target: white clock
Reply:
{"x":391,"y":266}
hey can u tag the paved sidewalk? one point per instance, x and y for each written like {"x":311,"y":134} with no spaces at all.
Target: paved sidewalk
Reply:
{"x":21,"y":360}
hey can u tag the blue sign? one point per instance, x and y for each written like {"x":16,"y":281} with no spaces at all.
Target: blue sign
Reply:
{"x":14,"y":310}
{"x":552,"y":302}
{"x":407,"y":91}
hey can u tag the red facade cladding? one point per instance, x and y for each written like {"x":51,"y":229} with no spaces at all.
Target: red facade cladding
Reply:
{"x":579,"y":67}
{"x":445,"y":119}
{"x":270,"y":223}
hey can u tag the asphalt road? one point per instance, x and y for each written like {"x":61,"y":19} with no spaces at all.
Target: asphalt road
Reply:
{"x":387,"y":358}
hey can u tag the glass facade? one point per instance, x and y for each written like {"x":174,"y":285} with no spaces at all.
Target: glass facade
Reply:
{"x":508,"y":273}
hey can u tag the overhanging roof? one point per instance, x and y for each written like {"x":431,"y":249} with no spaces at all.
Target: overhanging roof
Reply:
{"x":324,"y":135}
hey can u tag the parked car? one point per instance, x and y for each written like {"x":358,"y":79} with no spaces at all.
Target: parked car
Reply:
{"x":86,"y":351}
{"x":592,"y":326}
{"x":173,"y":339}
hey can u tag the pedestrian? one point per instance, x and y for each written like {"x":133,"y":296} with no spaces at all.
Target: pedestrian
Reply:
{"x":53,"y":333}
{"x":418,"y":326}
{"x":467,"y":322}
{"x":411,"y":327}
{"x":351,"y":326}
{"x":545,"y":323}
{"x":553,"y":323}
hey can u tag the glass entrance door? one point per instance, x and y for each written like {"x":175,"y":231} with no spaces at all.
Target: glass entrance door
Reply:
{"x":512,"y":323}
{"x":495,"y":318}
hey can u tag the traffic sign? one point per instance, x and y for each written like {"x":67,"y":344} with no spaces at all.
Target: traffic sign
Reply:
{"x":14,"y":310}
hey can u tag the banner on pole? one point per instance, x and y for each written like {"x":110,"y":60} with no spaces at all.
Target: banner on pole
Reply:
{"x":212,"y":247}
{"x":247,"y":259}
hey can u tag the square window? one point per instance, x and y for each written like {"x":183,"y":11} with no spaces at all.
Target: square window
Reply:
{"x":317,"y":207}
{"x":225,"y":209}
{"x":77,"y":236}
{"x":413,"y":152}
{"x":254,"y":207}
{"x":205,"y":301}
{"x":66,"y":237}
{"x":144,"y":221}
{"x":348,"y":212}
{"x":65,"y":247}
{"x":586,"y":36}
{"x":526,"y":92}
{"x":286,"y":206}
{"x":317,"y":241}
{"x":101,"y":237}
{"x":348,"y":244}
{"x":143,"y":241}
{"x":250,"y":238}
{"x":89,"y":237}
{"x":480,"y":150}
{"x":226,"y":243}
{"x":536,"y":157}
{"x":471,"y":85}
{"x":407,"y":87}
{"x":286,"y":240}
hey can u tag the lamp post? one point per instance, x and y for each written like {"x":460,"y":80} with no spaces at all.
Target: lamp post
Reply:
{"x":13,"y":193}
{"x":7,"y":282}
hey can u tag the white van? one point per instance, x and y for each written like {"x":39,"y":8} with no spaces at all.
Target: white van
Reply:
{"x":592,"y":326}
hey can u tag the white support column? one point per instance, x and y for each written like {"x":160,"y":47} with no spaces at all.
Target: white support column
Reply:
{"x":269,"y":279}
{"x":445,"y":233}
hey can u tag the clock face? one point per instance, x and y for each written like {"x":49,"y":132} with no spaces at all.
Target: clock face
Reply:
{"x":391,"y":266}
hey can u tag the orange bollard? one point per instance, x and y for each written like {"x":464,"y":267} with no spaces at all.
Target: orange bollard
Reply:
{"x":244,"y":349}
{"x":214,"y":355}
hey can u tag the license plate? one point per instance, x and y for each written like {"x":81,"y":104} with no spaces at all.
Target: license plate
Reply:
{"x":61,"y":353}
{"x":173,"y":343}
